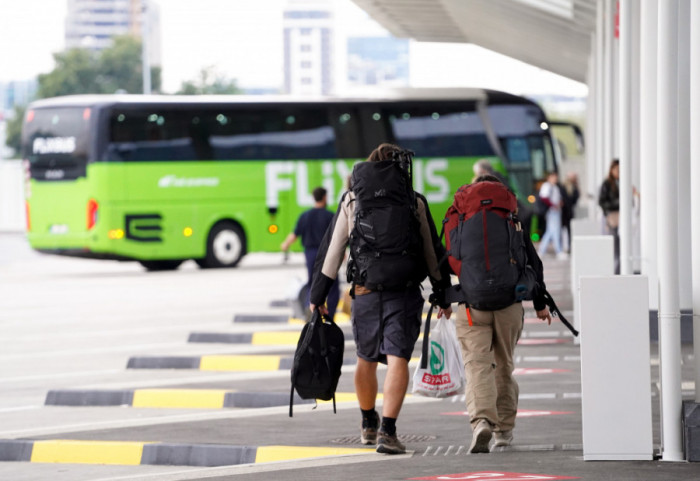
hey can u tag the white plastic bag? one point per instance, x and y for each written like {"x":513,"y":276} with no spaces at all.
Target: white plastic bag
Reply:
{"x":444,"y":373}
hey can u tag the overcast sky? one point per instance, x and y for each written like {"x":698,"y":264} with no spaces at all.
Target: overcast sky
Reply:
{"x":243,"y":40}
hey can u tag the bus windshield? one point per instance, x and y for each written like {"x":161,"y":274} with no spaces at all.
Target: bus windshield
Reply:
{"x":55,"y":142}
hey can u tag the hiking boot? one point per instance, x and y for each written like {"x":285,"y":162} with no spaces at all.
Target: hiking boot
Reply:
{"x":389,"y":444}
{"x":481,"y":437}
{"x":503,"y":438}
{"x":368,"y":434}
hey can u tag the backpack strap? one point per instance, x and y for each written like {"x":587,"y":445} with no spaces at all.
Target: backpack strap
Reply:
{"x":549,"y":300}
{"x":426,"y":340}
{"x":291,"y":400}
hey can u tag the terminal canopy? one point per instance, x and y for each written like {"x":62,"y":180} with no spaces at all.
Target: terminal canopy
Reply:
{"x":551,"y":34}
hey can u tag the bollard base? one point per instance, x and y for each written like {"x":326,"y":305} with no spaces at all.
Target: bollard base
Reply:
{"x":691,"y":431}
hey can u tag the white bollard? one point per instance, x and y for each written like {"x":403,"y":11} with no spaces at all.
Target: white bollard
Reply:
{"x":584,"y":227}
{"x":615,"y":368}
{"x":590,"y":256}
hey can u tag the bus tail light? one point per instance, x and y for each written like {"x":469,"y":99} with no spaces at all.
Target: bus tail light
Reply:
{"x":28,"y":218}
{"x":92,"y":208}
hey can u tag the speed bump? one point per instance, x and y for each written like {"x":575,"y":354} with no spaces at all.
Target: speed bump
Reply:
{"x":156,"y":453}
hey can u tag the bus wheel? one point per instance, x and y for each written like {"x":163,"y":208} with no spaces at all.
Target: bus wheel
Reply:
{"x":225,"y":245}
{"x":160,"y":265}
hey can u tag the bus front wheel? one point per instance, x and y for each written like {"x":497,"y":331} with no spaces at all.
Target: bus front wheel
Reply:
{"x":225,"y":246}
{"x":161,"y":265}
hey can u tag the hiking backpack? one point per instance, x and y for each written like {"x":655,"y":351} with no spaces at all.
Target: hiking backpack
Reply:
{"x":317,"y":360}
{"x":486,"y":247}
{"x":386,"y":249}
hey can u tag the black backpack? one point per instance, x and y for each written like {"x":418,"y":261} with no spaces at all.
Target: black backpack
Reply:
{"x":317,"y":360}
{"x":386,"y":250}
{"x":486,"y":248}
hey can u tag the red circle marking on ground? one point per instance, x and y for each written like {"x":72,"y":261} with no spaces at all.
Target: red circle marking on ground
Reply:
{"x":522,"y":413}
{"x":495,"y":476}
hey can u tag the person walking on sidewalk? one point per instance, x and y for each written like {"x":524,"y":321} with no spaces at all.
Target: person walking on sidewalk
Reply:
{"x":311,"y":226}
{"x":393,"y":246}
{"x":551,"y":195}
{"x":487,"y":339}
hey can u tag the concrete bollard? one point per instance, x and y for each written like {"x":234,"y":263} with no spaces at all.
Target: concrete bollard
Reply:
{"x":590,"y":256}
{"x":615,"y":368}
{"x":584,"y":227}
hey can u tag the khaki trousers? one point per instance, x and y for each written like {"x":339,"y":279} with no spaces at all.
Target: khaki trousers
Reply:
{"x":487,"y":350}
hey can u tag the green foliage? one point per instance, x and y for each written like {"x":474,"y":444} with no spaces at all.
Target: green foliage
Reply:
{"x":209,"y":82}
{"x":81,"y":71}
{"x":14,"y":130}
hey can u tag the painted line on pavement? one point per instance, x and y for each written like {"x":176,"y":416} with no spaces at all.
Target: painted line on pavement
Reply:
{"x":155,"y":453}
{"x":340,"y":318}
{"x":182,"y":398}
{"x":230,"y":363}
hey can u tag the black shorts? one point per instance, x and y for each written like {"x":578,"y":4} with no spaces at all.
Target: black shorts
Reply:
{"x":394,"y":333}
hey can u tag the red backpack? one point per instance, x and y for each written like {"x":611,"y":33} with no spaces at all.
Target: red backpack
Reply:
{"x":486,"y":247}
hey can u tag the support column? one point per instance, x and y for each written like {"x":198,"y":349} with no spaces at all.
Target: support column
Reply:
{"x":608,"y":82}
{"x":601,"y":119}
{"x":695,"y":179}
{"x":667,"y":240}
{"x":647,"y":151}
{"x":625,"y":140}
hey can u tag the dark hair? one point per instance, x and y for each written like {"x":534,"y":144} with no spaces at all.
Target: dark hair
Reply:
{"x":611,"y":180}
{"x":487,"y":178}
{"x":319,"y":193}
{"x":385,"y":151}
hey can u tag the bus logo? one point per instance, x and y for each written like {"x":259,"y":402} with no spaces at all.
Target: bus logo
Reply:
{"x":175,"y":181}
{"x":53,"y":145}
{"x":143,"y":227}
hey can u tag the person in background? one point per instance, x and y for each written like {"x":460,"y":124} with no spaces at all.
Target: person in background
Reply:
{"x":311,"y":227}
{"x":551,"y":195}
{"x":609,"y":201}
{"x":571,"y":196}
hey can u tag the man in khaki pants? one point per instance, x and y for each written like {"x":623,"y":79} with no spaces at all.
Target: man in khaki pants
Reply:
{"x":488,"y":339}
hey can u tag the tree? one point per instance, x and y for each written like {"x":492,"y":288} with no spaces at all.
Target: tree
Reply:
{"x":81,"y":71}
{"x":209,"y":82}
{"x":13,"y":138}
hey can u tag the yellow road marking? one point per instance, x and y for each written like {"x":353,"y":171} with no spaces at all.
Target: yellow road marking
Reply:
{"x":179,"y":398}
{"x":266,"y":454}
{"x":239,"y":363}
{"x":87,"y":452}
{"x":271,"y":338}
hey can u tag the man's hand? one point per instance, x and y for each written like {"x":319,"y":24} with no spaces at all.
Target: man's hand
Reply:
{"x":322,"y":309}
{"x":544,"y":315}
{"x":445,"y":312}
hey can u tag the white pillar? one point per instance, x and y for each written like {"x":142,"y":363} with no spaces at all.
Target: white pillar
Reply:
{"x":695,"y":179}
{"x":591,"y":129}
{"x":684,"y":228}
{"x":601,"y":118}
{"x":625,"y":140}
{"x":667,"y":240}
{"x":608,"y":70}
{"x":647,"y":137}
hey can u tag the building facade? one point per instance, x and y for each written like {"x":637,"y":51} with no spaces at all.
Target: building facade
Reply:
{"x":92,"y":24}
{"x":309,"y":47}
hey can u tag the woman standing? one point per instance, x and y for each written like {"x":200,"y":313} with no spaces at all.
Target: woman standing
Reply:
{"x":609,"y":201}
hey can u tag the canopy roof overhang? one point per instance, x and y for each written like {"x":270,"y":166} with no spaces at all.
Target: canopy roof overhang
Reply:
{"x":554,"y":35}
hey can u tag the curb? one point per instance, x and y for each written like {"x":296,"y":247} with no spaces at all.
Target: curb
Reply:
{"x":242,"y":363}
{"x":164,"y":454}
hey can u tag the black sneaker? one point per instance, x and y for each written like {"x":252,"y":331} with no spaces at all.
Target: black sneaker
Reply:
{"x":389,"y":444}
{"x":368,"y":434}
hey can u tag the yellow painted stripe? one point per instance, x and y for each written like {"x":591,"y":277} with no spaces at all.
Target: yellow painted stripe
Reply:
{"x":296,"y":320}
{"x":272,"y":338}
{"x":340,"y":318}
{"x":239,"y":363}
{"x":179,"y":398}
{"x":266,"y":454}
{"x":87,"y":452}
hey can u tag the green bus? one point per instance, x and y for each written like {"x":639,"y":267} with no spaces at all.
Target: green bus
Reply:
{"x":164,"y":179}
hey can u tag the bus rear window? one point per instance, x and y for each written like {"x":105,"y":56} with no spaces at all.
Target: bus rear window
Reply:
{"x":55,"y":142}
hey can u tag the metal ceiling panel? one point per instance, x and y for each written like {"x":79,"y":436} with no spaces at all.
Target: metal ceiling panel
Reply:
{"x":550,"y":34}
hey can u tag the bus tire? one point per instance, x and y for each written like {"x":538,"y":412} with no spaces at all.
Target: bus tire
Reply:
{"x":169,"y":265}
{"x":226,"y":245}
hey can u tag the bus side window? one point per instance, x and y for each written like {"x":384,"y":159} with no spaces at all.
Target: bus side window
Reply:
{"x":346,"y":124}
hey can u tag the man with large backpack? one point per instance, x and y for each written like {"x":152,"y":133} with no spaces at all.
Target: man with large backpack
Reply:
{"x":393,"y":246}
{"x":498,"y":267}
